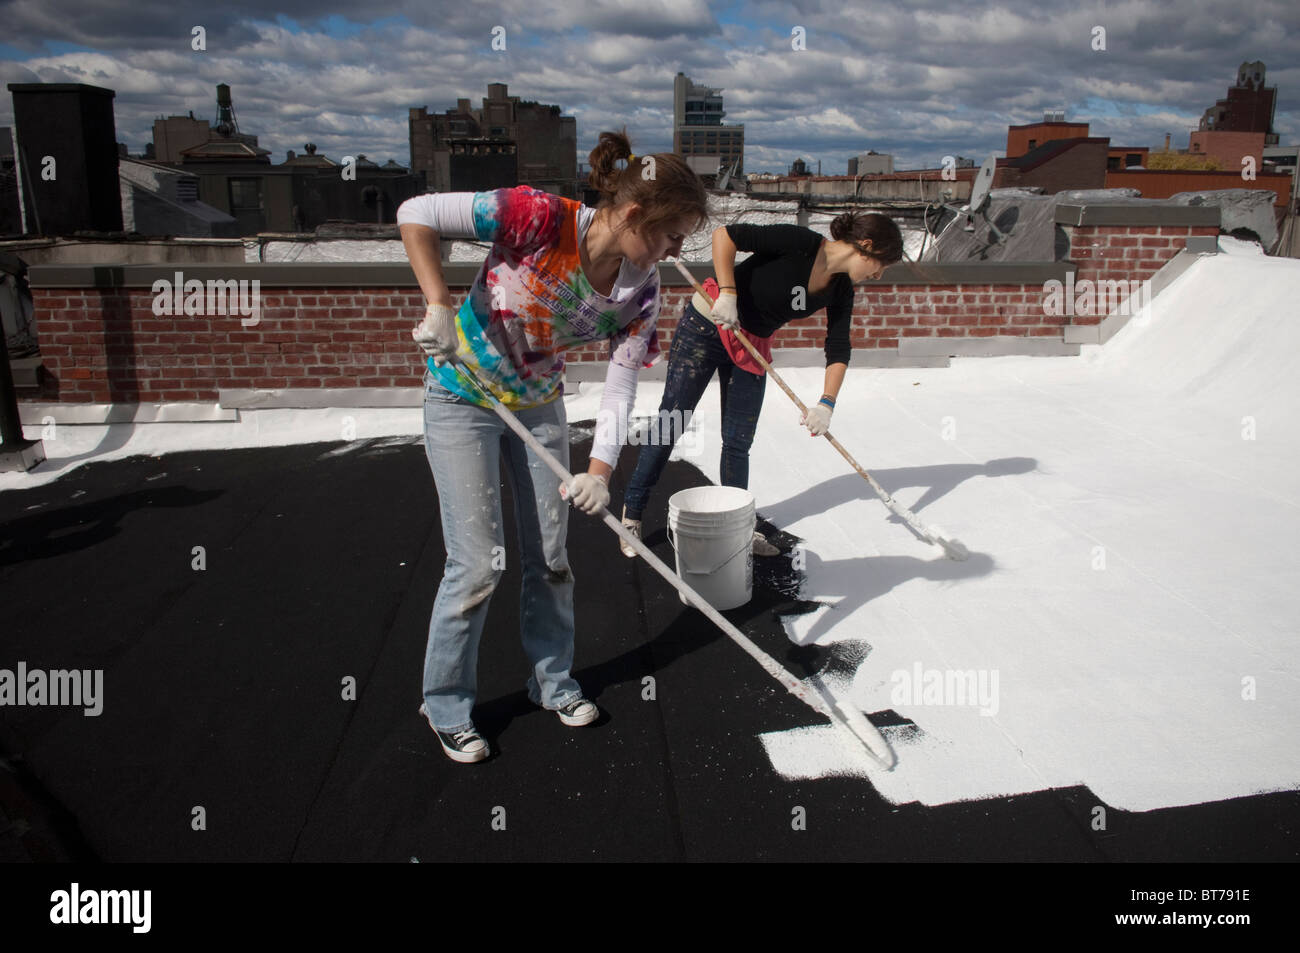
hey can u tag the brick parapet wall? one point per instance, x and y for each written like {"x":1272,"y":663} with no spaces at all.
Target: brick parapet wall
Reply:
{"x":101,"y":345}
{"x":882,"y":314}
{"x":1110,"y":253}
{"x":109,"y":346}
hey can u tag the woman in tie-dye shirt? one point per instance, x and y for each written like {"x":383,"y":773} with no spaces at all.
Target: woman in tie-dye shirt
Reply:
{"x":558,"y":275}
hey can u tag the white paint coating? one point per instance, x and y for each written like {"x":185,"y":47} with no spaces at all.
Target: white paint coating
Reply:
{"x":1128,"y":678}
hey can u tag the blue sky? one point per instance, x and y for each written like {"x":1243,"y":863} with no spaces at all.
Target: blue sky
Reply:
{"x":920,"y":80}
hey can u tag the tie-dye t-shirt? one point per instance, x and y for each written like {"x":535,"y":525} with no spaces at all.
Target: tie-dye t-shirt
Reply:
{"x":531,"y":301}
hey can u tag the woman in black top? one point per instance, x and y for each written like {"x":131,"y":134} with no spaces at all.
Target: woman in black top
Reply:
{"x":792,"y":273}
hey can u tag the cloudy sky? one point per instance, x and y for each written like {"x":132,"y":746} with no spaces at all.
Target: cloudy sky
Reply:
{"x":917,"y":78}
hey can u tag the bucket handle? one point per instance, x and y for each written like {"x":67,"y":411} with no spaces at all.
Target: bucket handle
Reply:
{"x":749,"y":541}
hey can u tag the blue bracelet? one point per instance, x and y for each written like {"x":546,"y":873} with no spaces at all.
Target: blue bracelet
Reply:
{"x":828,"y":402}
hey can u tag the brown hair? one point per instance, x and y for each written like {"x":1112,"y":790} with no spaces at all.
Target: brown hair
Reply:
{"x":670,"y":193}
{"x":856,"y":227}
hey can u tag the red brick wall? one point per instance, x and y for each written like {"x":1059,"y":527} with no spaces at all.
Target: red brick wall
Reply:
{"x":103,"y":346}
{"x":1082,"y":166}
{"x":1018,"y":136}
{"x":1162,"y":183}
{"x":100,"y":346}
{"x":1229,"y":148}
{"x":884,"y":313}
{"x":1126,"y":253}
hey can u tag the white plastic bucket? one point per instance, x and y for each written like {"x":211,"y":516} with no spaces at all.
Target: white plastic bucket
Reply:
{"x":712,"y":531}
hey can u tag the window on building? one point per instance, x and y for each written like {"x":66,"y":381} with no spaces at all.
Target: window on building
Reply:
{"x":1112,"y":163}
{"x":1133,"y":158}
{"x":1033,"y":143}
{"x":245,"y":195}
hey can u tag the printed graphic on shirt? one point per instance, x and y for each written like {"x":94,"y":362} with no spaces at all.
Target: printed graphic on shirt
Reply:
{"x":531,"y":301}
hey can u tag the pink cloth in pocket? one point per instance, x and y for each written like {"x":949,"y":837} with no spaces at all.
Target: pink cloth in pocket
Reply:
{"x":735,"y":350}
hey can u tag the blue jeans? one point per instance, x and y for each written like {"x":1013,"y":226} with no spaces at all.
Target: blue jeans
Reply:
{"x":462,"y":442}
{"x":696,"y":353}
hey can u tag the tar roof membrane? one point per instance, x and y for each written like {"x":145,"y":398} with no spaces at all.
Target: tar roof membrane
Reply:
{"x":1128,"y":610}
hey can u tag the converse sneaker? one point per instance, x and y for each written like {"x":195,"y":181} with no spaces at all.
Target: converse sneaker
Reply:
{"x":762,"y":547}
{"x":578,"y":712}
{"x":464,"y":746}
{"x":633,"y":527}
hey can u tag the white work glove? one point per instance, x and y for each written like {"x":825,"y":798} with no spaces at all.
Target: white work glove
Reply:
{"x":817,"y":419}
{"x":724,"y":311}
{"x":437,"y":334}
{"x":588,"y":492}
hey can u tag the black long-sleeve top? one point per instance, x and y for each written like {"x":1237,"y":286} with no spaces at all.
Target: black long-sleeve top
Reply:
{"x":782,"y":260}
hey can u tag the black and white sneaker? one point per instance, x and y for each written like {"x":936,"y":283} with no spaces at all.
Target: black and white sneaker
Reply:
{"x":464,"y":746}
{"x":578,"y":712}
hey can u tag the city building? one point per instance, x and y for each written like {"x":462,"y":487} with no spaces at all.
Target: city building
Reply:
{"x":872,"y":163}
{"x":203,"y":180}
{"x":1249,"y":106}
{"x":1126,"y":157}
{"x":1023,"y":139}
{"x":1056,"y":155}
{"x":1229,"y":148}
{"x":505,"y":142}
{"x":237,"y":177}
{"x":698,"y":130}
{"x":1240,"y":127}
{"x":173,"y":134}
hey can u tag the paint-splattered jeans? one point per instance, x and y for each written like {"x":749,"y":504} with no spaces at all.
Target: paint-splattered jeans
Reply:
{"x":462,"y":442}
{"x":696,"y":353}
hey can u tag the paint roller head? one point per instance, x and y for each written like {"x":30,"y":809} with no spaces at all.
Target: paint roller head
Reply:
{"x":952,"y":548}
{"x":866,"y":735}
{"x":955,"y":549}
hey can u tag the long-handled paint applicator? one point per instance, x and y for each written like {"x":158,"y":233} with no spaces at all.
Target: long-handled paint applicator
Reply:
{"x":843,"y":716}
{"x":952,"y":548}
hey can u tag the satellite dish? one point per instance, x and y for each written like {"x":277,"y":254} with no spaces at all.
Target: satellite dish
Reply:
{"x":978,"y":205}
{"x":725,"y":178}
{"x":979,"y":200}
{"x":979,"y":193}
